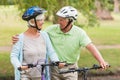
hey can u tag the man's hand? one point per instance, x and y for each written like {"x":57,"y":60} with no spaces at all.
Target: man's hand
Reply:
{"x":104,"y":65}
{"x":15,"y":39}
{"x":61,"y":65}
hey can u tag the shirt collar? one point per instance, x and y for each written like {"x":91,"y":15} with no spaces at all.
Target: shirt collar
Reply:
{"x":60,"y":32}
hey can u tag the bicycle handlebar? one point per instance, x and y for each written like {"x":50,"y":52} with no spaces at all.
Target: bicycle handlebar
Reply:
{"x":43,"y":65}
{"x":81,"y":69}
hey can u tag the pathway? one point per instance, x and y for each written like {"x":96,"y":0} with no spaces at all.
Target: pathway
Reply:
{"x":8,"y":48}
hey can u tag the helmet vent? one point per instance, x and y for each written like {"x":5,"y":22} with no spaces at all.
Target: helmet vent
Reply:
{"x":62,"y":10}
{"x":65,"y":12}
{"x":72,"y":10}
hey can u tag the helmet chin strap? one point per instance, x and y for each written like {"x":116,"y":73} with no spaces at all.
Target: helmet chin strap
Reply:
{"x":70,"y":21}
{"x":35,"y":24}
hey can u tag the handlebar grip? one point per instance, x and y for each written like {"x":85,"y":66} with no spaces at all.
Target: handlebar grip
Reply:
{"x":95,"y":66}
{"x":98,"y":67}
{"x":28,"y":66}
{"x":31,"y":65}
{"x":19,"y":68}
{"x":57,"y":63}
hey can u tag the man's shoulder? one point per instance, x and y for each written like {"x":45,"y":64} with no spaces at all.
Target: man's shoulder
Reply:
{"x":78,"y":28}
{"x":51,"y":27}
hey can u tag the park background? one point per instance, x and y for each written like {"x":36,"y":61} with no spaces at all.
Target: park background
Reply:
{"x":101,"y":22}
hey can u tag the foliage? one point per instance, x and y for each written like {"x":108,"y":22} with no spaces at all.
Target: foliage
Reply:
{"x":84,"y":6}
{"x":6,"y":2}
{"x":108,"y":4}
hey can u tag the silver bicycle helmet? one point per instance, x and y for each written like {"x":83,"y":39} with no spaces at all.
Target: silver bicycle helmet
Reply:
{"x":68,"y":12}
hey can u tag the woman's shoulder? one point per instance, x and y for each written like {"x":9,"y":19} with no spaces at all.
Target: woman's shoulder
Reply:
{"x":21,"y":35}
{"x":45,"y":36}
{"x":43,"y":32}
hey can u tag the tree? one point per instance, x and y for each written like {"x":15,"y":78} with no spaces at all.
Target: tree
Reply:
{"x":86,"y":7}
{"x":116,"y":6}
{"x":6,"y":2}
{"x":102,"y":11}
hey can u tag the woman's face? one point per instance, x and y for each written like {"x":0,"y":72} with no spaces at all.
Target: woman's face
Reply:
{"x":40,"y":21}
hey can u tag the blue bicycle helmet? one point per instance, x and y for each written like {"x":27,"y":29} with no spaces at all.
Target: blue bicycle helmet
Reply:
{"x":32,"y":12}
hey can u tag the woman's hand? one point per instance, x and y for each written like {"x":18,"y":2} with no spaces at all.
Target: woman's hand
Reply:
{"x":23,"y":68}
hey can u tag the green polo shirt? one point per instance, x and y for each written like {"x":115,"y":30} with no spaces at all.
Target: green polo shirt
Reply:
{"x":67,"y":45}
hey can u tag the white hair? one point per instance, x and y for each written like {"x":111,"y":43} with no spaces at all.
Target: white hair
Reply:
{"x":31,"y":22}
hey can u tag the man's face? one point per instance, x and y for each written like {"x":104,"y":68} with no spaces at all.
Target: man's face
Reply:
{"x":63,"y":22}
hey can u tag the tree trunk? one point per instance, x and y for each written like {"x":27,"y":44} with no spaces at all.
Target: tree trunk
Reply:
{"x":101,"y":12}
{"x":116,"y":6}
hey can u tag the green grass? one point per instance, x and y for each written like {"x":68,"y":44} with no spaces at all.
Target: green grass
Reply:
{"x":107,"y":33}
{"x":104,"y":35}
{"x":6,"y":69}
{"x":110,"y":55}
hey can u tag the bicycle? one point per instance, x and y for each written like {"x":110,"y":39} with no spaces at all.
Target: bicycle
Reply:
{"x":83,"y":70}
{"x":42,"y":67}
